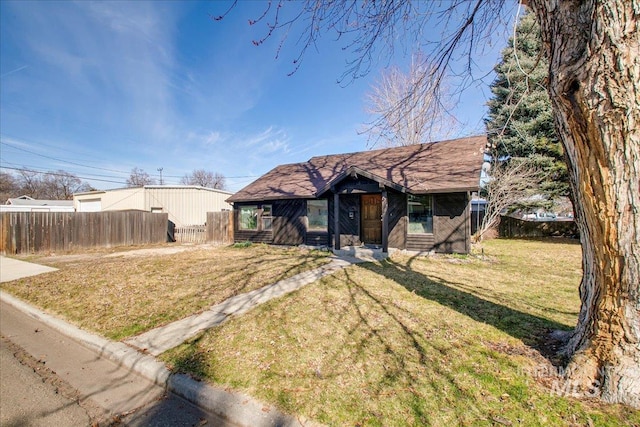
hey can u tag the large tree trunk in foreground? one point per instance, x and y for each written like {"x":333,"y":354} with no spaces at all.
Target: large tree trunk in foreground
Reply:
{"x":594,"y":83}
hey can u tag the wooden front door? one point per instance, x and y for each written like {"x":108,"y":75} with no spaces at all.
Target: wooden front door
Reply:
{"x":371,"y":208}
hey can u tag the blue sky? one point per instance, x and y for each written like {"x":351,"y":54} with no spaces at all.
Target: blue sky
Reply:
{"x":97,"y":89}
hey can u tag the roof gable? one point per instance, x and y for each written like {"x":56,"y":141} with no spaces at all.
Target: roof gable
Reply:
{"x":354,"y":171}
{"x":445,"y":166}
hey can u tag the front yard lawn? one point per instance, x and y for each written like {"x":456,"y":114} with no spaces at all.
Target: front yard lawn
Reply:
{"x":120,"y":296}
{"x":444,"y":340}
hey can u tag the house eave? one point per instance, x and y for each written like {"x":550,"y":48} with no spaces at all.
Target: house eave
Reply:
{"x":445,"y":190}
{"x":269,"y":198}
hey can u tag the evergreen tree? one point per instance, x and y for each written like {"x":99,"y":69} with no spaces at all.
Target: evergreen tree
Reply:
{"x":520,"y":123}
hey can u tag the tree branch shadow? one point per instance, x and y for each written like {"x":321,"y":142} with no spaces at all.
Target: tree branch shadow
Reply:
{"x":534,"y":331}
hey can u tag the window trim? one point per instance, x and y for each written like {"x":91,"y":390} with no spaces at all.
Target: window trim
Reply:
{"x":268,"y":217}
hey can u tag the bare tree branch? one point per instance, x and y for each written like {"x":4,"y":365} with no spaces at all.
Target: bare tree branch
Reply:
{"x":510,"y":183}
{"x":139,"y":178}
{"x":205,"y":178}
{"x":402,"y":115}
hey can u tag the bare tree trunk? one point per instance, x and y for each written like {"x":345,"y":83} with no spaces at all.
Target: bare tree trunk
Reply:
{"x":594,"y":83}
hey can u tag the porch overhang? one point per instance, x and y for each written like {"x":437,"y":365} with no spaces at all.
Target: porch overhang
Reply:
{"x":353,"y":172}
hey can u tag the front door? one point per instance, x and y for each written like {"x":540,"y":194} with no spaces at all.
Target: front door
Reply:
{"x":371,"y":208}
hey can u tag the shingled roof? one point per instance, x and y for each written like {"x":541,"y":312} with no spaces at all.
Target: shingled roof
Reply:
{"x":435,"y":167}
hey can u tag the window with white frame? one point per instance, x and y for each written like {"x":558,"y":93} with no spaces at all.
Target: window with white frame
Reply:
{"x":267,"y":218}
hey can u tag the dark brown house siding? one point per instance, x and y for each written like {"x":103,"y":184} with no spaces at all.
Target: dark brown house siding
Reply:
{"x":451,"y":223}
{"x":255,"y":236}
{"x":289,"y":222}
{"x":397,"y":220}
{"x":420,"y":242}
{"x":289,"y":225}
{"x":349,"y":227}
{"x":451,"y":218}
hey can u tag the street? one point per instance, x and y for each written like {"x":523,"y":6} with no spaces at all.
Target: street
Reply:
{"x":48,"y":379}
{"x":26,"y":398}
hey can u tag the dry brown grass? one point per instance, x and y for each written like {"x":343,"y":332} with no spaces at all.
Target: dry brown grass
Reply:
{"x":446,"y":340}
{"x":122,"y":293}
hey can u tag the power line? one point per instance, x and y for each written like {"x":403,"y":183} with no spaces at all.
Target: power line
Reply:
{"x":27,"y":167}
{"x":14,"y":146}
{"x":58,"y":174}
{"x":58,"y":160}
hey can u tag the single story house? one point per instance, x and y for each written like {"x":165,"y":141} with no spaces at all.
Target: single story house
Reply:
{"x":29,"y":204}
{"x":414,"y":197}
{"x":186,"y":204}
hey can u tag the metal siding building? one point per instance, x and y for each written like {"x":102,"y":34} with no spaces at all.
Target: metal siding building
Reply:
{"x":185,"y":204}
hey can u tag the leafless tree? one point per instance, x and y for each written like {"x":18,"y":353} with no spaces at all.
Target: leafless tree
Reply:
{"x":30,"y":183}
{"x":139,"y":178}
{"x":60,"y":185}
{"x":204,"y":178}
{"x":404,"y":115}
{"x":594,"y":87}
{"x":509,"y":184}
{"x":9,"y":187}
{"x":53,"y":185}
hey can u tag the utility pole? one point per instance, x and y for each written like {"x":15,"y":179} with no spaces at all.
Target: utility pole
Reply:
{"x":160,"y":170}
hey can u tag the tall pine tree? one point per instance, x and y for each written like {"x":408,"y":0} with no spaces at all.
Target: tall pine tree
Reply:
{"x":520,"y":123}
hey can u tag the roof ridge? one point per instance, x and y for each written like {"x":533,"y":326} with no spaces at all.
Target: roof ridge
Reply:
{"x":399,"y":147}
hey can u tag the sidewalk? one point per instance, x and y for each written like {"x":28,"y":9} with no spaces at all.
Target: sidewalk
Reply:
{"x":161,"y":339}
{"x":233,"y":408}
{"x":13,"y":269}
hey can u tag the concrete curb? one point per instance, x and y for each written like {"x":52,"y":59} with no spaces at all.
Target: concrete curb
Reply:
{"x":236,"y":407}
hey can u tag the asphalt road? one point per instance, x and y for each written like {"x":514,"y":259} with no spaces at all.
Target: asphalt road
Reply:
{"x":26,"y":399}
{"x":47,"y":379}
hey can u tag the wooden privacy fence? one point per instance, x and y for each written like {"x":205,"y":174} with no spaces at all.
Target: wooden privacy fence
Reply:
{"x":514,"y":227}
{"x":30,"y":232}
{"x":220,"y":227}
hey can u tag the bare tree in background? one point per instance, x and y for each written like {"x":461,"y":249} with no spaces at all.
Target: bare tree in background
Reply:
{"x":9,"y":187}
{"x":404,"y":115}
{"x":30,"y":183}
{"x":204,"y":178}
{"x":54,"y":185}
{"x":139,"y":178}
{"x":594,"y":87}
{"x":509,"y":183}
{"x":60,"y":185}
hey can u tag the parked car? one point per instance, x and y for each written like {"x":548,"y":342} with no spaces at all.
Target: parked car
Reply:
{"x":540,"y":216}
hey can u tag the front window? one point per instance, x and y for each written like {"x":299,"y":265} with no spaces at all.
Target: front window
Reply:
{"x":318,"y":215}
{"x":249,"y":218}
{"x":420,"y":211}
{"x":266,"y":217}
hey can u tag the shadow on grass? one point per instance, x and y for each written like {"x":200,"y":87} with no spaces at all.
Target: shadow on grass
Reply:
{"x":379,"y":361}
{"x":532,"y":330}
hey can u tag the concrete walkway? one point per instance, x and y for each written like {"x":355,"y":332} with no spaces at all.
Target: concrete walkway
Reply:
{"x":13,"y":269}
{"x":161,"y":339}
{"x":233,"y":408}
